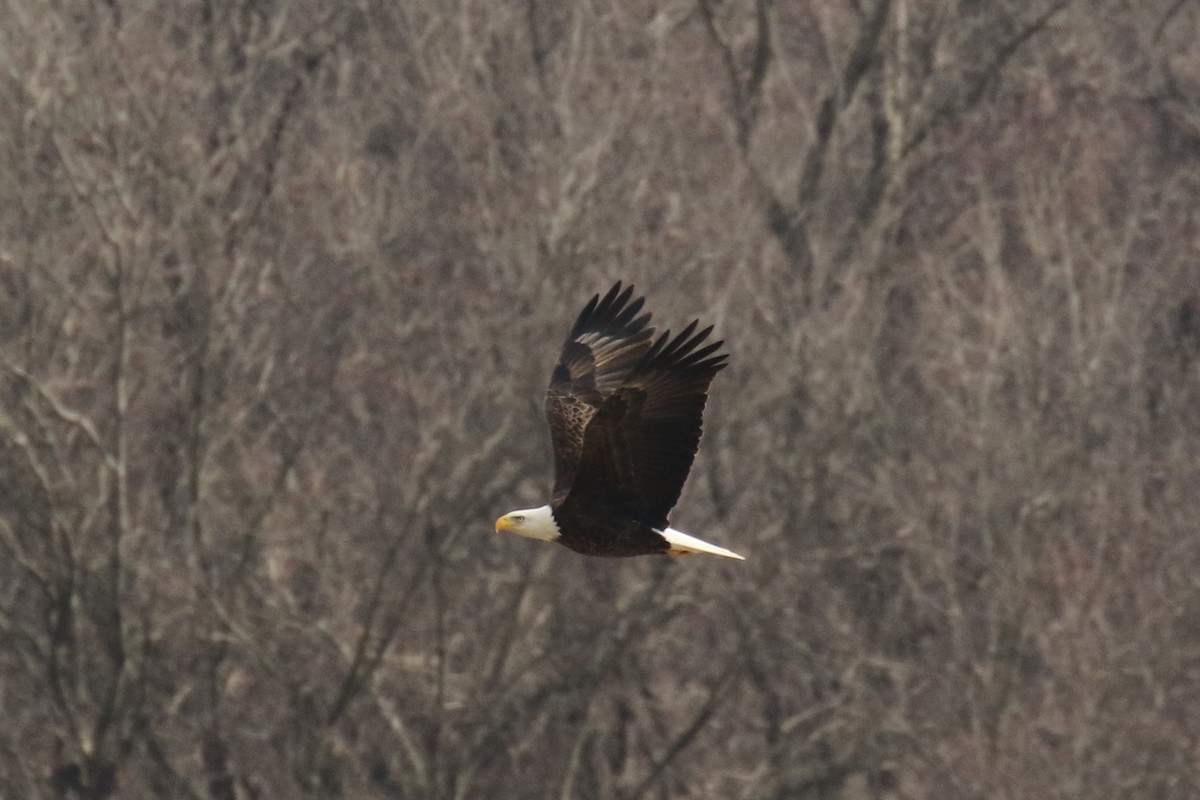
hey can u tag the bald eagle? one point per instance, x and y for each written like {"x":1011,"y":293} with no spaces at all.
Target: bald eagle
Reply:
{"x":625,"y":412}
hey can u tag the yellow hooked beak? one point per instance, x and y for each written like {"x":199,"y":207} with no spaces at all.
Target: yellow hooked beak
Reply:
{"x":505,"y":524}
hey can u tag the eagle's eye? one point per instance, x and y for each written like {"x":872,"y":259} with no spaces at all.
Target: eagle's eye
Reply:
{"x":518,"y":518}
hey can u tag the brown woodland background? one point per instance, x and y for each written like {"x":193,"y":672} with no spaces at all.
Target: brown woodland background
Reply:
{"x":281,"y":282}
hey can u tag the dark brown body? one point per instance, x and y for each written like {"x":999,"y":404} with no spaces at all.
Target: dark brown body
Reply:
{"x":605,"y":535}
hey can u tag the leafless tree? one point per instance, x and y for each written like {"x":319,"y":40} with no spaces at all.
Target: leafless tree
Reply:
{"x":280,"y":284}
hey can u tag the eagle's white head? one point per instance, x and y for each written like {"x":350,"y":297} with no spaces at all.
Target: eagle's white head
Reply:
{"x":536,"y":523}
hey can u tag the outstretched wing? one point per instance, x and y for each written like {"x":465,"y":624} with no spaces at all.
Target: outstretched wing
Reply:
{"x":640,"y":444}
{"x":607,"y":341}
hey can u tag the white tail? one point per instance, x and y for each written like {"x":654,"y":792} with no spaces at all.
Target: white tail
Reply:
{"x":684,"y":543}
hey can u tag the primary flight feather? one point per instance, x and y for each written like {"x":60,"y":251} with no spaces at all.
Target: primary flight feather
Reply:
{"x":625,"y":411}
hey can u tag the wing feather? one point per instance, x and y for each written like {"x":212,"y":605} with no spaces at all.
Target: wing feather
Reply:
{"x":638,"y":447}
{"x":608,"y":340}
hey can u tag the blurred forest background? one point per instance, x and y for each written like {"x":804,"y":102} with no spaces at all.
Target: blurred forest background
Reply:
{"x":281,"y":282}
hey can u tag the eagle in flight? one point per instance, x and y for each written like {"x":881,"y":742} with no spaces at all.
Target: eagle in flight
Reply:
{"x":625,"y":412}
